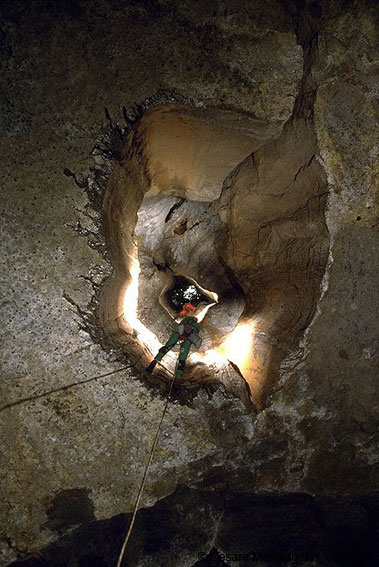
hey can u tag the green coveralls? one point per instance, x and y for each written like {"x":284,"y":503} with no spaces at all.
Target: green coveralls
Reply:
{"x":184,"y":347}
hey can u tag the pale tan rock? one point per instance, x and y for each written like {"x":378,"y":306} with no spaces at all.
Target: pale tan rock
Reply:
{"x":189,"y":153}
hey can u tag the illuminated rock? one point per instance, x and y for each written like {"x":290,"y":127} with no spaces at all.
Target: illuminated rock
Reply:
{"x":260,"y":244}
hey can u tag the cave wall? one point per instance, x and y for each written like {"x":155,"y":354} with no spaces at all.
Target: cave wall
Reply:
{"x":62,"y":64}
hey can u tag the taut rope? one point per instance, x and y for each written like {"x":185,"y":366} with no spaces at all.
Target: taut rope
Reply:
{"x":120,"y":557}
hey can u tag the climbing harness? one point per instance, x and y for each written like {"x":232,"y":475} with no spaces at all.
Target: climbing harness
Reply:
{"x":135,"y":509}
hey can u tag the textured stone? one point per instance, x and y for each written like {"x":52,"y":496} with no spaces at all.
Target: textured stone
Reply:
{"x":204,"y":529}
{"x":189,"y":153}
{"x":64,"y":433}
{"x":262,"y":242}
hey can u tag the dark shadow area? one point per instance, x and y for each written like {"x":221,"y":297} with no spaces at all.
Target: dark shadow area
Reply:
{"x":69,"y":508}
{"x":184,"y":291}
{"x":212,"y":527}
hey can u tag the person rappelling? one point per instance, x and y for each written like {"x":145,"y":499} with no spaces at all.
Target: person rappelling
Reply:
{"x":188,"y":333}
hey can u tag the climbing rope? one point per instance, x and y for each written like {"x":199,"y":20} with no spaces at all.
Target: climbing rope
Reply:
{"x":135,"y":509}
{"x":66,"y":387}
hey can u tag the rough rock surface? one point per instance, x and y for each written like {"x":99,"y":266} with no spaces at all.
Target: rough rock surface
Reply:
{"x":217,"y":528}
{"x":75,"y":436}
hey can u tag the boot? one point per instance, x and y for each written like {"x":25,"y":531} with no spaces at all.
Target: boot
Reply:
{"x":151,"y":366}
{"x":180,"y":369}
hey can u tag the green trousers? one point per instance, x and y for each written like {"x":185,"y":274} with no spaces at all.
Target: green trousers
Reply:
{"x":184,"y":350}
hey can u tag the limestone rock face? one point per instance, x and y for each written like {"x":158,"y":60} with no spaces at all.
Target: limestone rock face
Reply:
{"x":260,"y":243}
{"x":282,"y":101}
{"x":190,"y":153}
{"x":188,"y":243}
{"x":278,"y":241}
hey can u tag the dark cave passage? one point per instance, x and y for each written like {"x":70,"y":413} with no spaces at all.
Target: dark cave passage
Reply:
{"x":183,"y":291}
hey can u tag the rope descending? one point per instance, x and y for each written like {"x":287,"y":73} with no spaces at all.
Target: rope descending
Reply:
{"x":120,"y":557}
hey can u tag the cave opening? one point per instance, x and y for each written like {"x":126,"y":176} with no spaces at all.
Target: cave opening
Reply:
{"x":207,"y":199}
{"x":184,"y":291}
